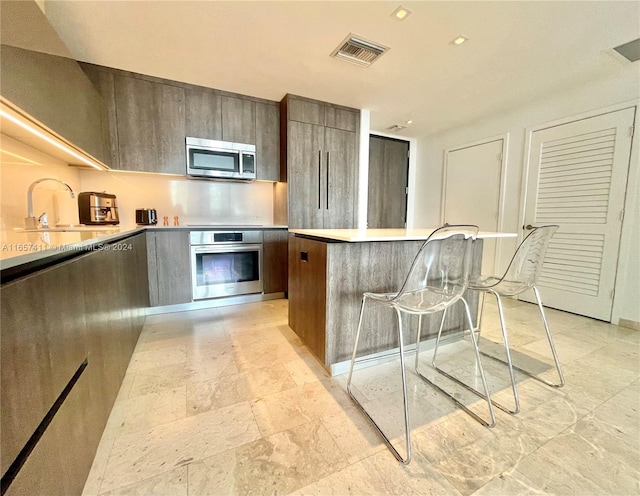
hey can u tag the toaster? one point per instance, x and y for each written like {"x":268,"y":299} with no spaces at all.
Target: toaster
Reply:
{"x":97,"y":208}
{"x":146,"y":216}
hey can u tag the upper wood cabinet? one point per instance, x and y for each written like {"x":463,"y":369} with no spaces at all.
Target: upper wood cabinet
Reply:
{"x":321,"y":143}
{"x":149,"y":118}
{"x":268,"y":141}
{"x":151,"y":125}
{"x":56,"y":92}
{"x":203,"y":114}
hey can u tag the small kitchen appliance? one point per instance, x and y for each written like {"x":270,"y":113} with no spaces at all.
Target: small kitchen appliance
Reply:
{"x":97,"y":208}
{"x":146,"y":216}
{"x":220,"y":160}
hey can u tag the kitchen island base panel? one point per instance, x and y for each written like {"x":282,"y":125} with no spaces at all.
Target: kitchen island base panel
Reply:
{"x":326,"y":284}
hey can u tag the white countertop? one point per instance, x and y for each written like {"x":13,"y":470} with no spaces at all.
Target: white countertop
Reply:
{"x":18,"y":247}
{"x":364,"y":235}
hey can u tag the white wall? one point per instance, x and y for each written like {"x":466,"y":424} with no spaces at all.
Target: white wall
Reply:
{"x":21,"y":165}
{"x":623,"y":86}
{"x":193,"y":201}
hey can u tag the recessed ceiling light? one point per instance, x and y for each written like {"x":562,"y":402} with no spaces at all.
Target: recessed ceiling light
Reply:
{"x":400,"y":13}
{"x":459,"y":40}
{"x":409,"y":122}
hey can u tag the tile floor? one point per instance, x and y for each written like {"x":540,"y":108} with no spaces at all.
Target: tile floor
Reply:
{"x":228,"y":401}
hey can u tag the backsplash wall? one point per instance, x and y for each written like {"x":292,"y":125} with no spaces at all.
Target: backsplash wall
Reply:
{"x":17,"y":172}
{"x":193,"y":201}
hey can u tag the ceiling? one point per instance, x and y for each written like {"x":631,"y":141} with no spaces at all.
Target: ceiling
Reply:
{"x":517,"y":52}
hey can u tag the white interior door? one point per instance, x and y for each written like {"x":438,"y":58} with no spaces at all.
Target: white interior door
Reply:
{"x":471,"y":191}
{"x":577,"y":179}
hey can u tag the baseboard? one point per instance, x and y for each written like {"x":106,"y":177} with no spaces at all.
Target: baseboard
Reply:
{"x":631,"y":324}
{"x":388,"y":355}
{"x":214,"y":303}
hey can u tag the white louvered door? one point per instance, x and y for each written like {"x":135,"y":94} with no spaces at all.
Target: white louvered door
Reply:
{"x":577,"y":179}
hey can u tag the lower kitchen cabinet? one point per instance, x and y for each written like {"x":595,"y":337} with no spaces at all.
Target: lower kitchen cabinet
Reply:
{"x":274,"y":253}
{"x":88,"y":309}
{"x":308,"y":293}
{"x":169,"y":258}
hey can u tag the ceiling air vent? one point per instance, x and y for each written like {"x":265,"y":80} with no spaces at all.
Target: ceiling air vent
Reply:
{"x":396,"y":127}
{"x":358,"y":51}
{"x":630,"y":51}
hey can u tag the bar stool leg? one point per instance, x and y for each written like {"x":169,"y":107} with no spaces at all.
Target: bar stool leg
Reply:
{"x":407,"y":425}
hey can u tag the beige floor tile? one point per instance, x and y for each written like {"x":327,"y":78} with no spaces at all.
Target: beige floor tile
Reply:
{"x":377,"y":474}
{"x":235,"y":388}
{"x":144,"y":412}
{"x":146,"y":454}
{"x":277,"y":464}
{"x":570,"y":464}
{"x":267,"y":419}
{"x":172,"y":483}
{"x":142,"y":360}
{"x":510,"y":483}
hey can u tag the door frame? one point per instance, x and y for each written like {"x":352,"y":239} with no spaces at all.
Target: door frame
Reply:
{"x":502,"y":193}
{"x":633,"y":180}
{"x":411,"y":177}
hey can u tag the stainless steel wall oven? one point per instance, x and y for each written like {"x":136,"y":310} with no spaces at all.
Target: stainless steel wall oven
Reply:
{"x":226,"y":263}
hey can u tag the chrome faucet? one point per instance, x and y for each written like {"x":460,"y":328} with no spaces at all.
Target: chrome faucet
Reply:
{"x":31,"y":222}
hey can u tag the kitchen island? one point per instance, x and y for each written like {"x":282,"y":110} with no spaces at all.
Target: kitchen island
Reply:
{"x":330,"y":269}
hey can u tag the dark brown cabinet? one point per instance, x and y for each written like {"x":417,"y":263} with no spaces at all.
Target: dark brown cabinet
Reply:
{"x":88,"y":309}
{"x":238,"y":120}
{"x":321,"y":146}
{"x":268,"y":141}
{"x":150,"y":123}
{"x":56,"y":92}
{"x":275,"y":253}
{"x":169,"y":258}
{"x":203,"y":114}
{"x":147,"y":121}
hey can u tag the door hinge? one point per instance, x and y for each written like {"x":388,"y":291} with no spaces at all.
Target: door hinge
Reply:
{"x":612,"y":295}
{"x":631,"y":131}
{"x":622,"y":214}
{"x":500,"y":157}
{"x":406,"y":190}
{"x":408,"y":153}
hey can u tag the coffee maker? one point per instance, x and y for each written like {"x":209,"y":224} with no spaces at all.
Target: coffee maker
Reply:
{"x":97,"y":208}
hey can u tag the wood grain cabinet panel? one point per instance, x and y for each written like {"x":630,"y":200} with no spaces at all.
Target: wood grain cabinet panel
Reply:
{"x":203,"y":114}
{"x":307,"y":293}
{"x":173,"y":268}
{"x":268,"y":142}
{"x":321,"y":164}
{"x":341,"y":164}
{"x":238,"y":120}
{"x":57,"y":93}
{"x":275,"y":260}
{"x":150,"y":124}
{"x":43,"y":344}
{"x":88,"y":308}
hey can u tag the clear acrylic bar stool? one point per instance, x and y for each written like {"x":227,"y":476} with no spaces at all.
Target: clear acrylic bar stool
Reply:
{"x":521,"y":275}
{"x":437,"y":279}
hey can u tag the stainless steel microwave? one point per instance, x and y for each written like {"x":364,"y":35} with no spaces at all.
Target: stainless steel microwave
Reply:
{"x":221,"y":160}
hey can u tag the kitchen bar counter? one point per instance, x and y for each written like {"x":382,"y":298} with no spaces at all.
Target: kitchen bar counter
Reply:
{"x":367,"y":235}
{"x":330,"y":269}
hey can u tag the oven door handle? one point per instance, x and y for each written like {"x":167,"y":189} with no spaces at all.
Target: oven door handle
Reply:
{"x":223,"y":248}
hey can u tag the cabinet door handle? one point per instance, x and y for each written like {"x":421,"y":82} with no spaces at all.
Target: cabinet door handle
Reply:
{"x":327,"y":205}
{"x":319,"y":179}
